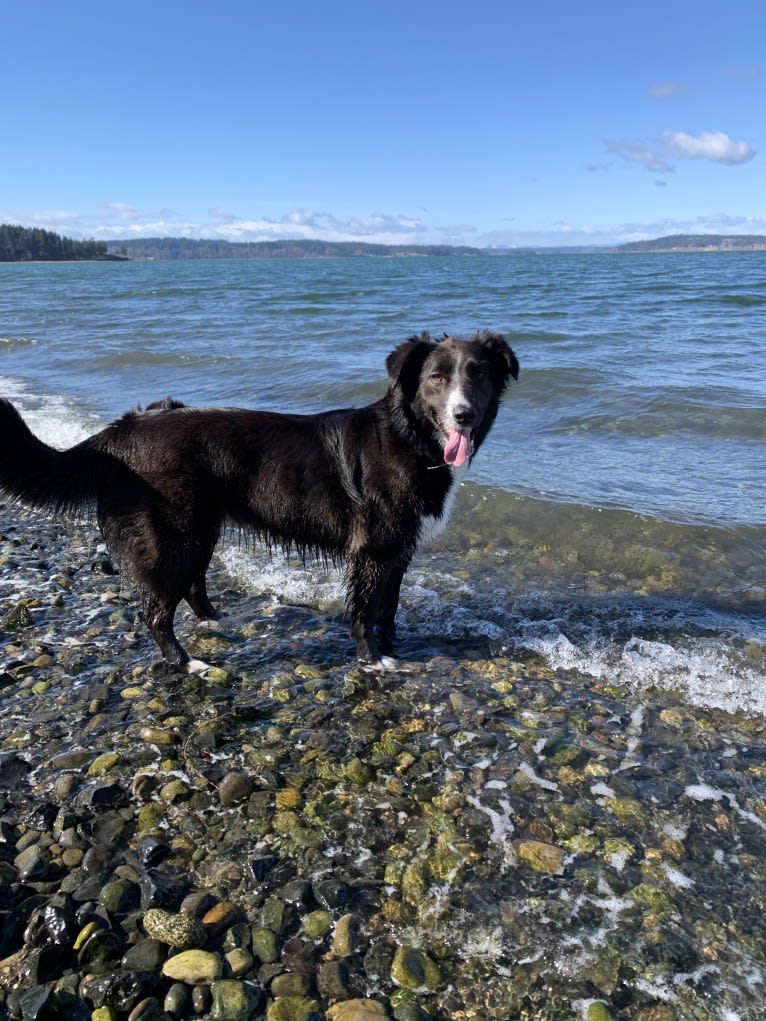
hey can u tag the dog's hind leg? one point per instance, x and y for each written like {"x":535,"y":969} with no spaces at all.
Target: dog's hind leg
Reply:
{"x":204,"y":545}
{"x":158,"y":616}
{"x":199,"y":601}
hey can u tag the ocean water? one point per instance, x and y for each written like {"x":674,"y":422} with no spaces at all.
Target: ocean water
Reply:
{"x":615,"y":520}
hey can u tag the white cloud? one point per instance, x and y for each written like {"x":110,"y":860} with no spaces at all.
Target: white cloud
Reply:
{"x":710,"y":145}
{"x":309,"y":224}
{"x":656,"y":156}
{"x":664,"y":89}
{"x":109,"y":225}
{"x":647,"y":155}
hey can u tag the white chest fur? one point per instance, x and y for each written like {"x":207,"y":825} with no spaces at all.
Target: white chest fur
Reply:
{"x":432,"y":527}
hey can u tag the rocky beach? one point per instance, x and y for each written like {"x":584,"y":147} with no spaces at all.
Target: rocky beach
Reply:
{"x":287,"y":837}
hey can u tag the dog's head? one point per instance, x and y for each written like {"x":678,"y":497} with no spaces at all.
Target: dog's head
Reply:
{"x":454,"y":386}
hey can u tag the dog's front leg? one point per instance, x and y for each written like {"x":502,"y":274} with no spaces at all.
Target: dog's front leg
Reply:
{"x":366,"y":579}
{"x":389,"y":603}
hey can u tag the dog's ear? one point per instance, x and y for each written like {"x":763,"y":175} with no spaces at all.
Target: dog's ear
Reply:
{"x":504,"y":361}
{"x":406,"y":361}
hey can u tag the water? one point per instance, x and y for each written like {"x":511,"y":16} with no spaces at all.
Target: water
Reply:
{"x":614,"y":521}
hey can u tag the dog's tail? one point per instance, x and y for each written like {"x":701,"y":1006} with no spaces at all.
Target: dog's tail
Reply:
{"x":56,"y":481}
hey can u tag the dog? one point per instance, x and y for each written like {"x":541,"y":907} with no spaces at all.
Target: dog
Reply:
{"x":362,"y":486}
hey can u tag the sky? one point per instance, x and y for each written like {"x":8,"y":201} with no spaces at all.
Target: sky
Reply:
{"x":486,"y":123}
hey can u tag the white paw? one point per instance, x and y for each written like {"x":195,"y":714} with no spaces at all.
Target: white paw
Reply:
{"x":382,"y":665}
{"x":197,"y":666}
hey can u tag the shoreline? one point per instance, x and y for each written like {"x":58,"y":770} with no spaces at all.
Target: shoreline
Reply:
{"x":468,"y":837}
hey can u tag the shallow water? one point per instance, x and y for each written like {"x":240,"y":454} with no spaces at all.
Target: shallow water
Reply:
{"x":613,"y":522}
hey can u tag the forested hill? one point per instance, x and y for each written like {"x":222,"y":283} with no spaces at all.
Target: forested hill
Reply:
{"x":699,"y":243}
{"x":32,"y":244}
{"x":190,"y":248}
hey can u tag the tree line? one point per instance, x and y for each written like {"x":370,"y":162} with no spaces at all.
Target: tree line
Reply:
{"x":193,"y":248}
{"x":33,"y":244}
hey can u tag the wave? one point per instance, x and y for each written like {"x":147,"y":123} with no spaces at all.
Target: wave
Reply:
{"x":626,"y":599}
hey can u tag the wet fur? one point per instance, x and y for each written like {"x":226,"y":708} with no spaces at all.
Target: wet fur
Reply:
{"x":355,"y":485}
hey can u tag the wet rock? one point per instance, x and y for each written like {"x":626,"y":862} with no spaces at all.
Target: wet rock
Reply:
{"x":598,"y":1012}
{"x":119,"y":896}
{"x":414,"y":969}
{"x":222,"y":915}
{"x":317,"y":924}
{"x":175,"y":999}
{"x":100,"y":951}
{"x":146,"y":955}
{"x":160,"y":889}
{"x":100,"y":794}
{"x":193,"y":967}
{"x":32,"y":864}
{"x":17,"y":618}
{"x":31,"y":1004}
{"x":332,"y":981}
{"x":234,"y":787}
{"x":346,"y":940}
{"x":13,"y":768}
{"x":357,"y":1010}
{"x":265,"y":945}
{"x":152,"y":850}
{"x":148,"y":1009}
{"x":233,"y":1000}
{"x":183,"y":931}
{"x":290,"y":984}
{"x":44,"y":964}
{"x":542,"y":857}
{"x":294,"y":1008}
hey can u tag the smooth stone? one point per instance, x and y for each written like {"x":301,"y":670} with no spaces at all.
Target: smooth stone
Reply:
{"x":175,"y":999}
{"x":346,"y":938}
{"x":414,"y":969}
{"x":193,"y":967}
{"x":332,"y":981}
{"x":265,"y":945}
{"x":32,"y":864}
{"x":317,"y":924}
{"x":357,"y":1010}
{"x":598,"y":1012}
{"x":290,"y":984}
{"x":146,"y":955}
{"x":240,"y":961}
{"x":234,"y":788}
{"x":221,"y":916}
{"x":233,"y":1000}
{"x":542,"y":857}
{"x":101,"y":949}
{"x":119,"y":896}
{"x":148,"y":1009}
{"x":294,"y":1008}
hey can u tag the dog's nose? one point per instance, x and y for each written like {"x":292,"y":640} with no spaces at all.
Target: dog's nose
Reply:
{"x":465,"y":416}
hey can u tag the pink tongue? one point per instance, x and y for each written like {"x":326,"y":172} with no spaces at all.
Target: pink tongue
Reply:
{"x":457,"y":447}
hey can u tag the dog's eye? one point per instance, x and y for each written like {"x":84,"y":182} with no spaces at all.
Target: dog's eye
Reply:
{"x":437,"y":378}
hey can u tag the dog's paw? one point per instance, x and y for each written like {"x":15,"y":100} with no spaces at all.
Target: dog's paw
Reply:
{"x":197,"y":666}
{"x":384,"y":664}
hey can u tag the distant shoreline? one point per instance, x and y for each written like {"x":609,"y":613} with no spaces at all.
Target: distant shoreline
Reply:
{"x":21,"y":244}
{"x":189,"y":248}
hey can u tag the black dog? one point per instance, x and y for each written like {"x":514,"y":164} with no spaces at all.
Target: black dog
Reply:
{"x":355,"y":485}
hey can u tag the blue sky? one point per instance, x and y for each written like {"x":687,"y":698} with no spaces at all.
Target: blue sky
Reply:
{"x":486,"y":123}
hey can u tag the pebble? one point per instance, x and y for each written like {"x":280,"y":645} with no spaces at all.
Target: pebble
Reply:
{"x":193,"y":967}
{"x":320,"y":814}
{"x":357,"y":1010}
{"x":414,"y":969}
{"x":181,"y":930}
